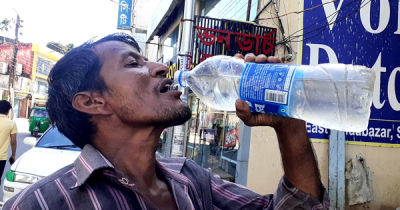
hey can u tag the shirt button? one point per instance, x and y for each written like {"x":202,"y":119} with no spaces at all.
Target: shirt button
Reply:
{"x":125,"y":181}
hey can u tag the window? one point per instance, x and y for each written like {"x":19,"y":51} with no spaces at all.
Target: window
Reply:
{"x":213,"y":139}
{"x":44,"y":66}
{"x":39,"y":113}
{"x":42,"y":89}
{"x":54,"y":139}
{"x":170,"y":45}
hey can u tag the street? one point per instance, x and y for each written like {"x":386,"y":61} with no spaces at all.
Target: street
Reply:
{"x":23,"y":131}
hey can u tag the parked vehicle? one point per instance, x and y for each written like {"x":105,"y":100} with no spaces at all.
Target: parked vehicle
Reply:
{"x":50,"y":153}
{"x":39,"y":121}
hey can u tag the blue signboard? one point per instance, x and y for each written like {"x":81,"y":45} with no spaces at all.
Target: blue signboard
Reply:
{"x":361,"y":32}
{"x":124,"y":14}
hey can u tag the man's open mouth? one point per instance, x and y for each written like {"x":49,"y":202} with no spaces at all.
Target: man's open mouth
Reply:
{"x":166,"y":86}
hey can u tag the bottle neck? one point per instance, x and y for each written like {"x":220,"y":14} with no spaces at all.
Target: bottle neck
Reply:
{"x":180,"y":78}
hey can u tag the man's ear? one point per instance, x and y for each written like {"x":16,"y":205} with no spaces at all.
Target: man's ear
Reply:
{"x":92,"y":103}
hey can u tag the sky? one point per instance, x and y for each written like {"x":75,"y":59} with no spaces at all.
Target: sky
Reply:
{"x":65,"y":21}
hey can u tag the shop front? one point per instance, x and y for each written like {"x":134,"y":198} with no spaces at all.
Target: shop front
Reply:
{"x":210,"y":137}
{"x":213,"y":135}
{"x":213,"y":139}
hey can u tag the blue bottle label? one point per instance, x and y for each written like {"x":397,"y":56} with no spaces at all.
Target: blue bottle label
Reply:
{"x":266,"y":87}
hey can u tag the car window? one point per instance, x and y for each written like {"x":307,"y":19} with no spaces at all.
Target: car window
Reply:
{"x":39,"y":113}
{"x":54,"y":139}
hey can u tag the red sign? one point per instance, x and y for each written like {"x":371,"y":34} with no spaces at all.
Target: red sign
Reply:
{"x":245,"y":41}
{"x":231,"y":137}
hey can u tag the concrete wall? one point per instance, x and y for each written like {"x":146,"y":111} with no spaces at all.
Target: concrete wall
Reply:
{"x":265,"y":165}
{"x":265,"y":168}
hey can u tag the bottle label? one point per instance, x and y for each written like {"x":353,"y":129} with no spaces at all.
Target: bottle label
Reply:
{"x":266,"y":87}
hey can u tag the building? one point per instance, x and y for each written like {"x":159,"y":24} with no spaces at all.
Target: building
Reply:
{"x":44,"y":60}
{"x":306,"y":32}
{"x":33,"y":66}
{"x":23,"y":76}
{"x":212,"y":136}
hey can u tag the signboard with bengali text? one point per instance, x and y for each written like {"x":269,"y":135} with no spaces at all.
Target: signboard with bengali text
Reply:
{"x":363,"y":33}
{"x":124,"y":14}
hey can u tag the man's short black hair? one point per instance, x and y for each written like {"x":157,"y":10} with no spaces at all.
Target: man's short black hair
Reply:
{"x":5,"y":107}
{"x":77,"y":71}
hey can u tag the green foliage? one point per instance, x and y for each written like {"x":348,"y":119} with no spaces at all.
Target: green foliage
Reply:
{"x":58,"y":47}
{"x":5,"y":25}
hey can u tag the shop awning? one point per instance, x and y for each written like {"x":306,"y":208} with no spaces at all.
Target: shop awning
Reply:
{"x":164,"y":10}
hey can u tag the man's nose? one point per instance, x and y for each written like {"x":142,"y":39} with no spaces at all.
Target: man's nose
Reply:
{"x":156,"y":69}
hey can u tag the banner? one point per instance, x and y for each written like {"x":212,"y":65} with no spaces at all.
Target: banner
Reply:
{"x":124,"y":14}
{"x":209,"y":135}
{"x":231,"y":137}
{"x":359,"y":32}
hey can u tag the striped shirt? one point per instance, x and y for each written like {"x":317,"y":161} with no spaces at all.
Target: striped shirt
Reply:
{"x":92,"y":182}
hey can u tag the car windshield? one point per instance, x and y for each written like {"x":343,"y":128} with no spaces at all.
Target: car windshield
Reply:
{"x":54,"y":139}
{"x":39,"y":113}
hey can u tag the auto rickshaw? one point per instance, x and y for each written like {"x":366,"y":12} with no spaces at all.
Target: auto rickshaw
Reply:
{"x":39,"y":121}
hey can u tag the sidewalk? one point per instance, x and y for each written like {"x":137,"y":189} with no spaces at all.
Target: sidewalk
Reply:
{"x":22,"y":125}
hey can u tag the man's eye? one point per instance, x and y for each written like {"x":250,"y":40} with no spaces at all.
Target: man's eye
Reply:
{"x":132,"y":64}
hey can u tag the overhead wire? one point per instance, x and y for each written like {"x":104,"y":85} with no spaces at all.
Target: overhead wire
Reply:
{"x":320,"y":29}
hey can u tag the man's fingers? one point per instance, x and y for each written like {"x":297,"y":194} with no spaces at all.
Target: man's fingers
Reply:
{"x":261,"y":58}
{"x":243,"y":111}
{"x":250,"y":57}
{"x":272,"y":59}
{"x":238,"y":55}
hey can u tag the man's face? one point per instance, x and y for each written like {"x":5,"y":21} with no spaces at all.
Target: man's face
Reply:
{"x":137,"y":88}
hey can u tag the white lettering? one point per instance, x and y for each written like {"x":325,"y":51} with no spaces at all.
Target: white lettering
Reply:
{"x":371,"y":132}
{"x":314,"y":129}
{"x":331,"y":12}
{"x":365,"y":133}
{"x":123,"y":18}
{"x":393,"y":101}
{"x":377,"y":132}
{"x":398,"y":20}
{"x":314,"y":53}
{"x":308,"y":127}
{"x":384,"y":15}
{"x":398,"y":132}
{"x":377,"y":87}
{"x":124,"y":6}
{"x":321,"y":130}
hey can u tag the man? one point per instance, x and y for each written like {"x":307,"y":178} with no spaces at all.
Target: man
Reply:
{"x":114,"y":103}
{"x":8,"y":132}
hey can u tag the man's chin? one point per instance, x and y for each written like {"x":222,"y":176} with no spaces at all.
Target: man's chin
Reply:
{"x":176,"y":116}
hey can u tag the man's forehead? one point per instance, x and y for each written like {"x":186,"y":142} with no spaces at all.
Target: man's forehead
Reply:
{"x":114,"y":49}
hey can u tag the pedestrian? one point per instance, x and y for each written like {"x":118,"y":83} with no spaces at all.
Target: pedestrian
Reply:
{"x":108,"y":99}
{"x":8,"y":133}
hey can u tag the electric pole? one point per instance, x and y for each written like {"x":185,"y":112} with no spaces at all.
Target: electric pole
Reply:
{"x":13,"y":68}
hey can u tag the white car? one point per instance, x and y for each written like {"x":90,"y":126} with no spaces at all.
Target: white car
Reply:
{"x":50,"y":153}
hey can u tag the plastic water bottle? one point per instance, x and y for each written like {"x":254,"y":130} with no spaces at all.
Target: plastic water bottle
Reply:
{"x":335,"y":96}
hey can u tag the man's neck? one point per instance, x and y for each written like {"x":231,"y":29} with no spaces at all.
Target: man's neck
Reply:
{"x":131,"y":150}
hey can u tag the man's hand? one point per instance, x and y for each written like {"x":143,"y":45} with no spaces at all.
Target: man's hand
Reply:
{"x":12,"y":159}
{"x":258,"y":119}
{"x":298,"y":158}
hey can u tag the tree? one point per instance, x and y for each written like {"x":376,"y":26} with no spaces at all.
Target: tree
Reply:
{"x":5,"y":25}
{"x":58,"y":47}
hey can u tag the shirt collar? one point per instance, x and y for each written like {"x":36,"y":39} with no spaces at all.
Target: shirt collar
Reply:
{"x":3,"y":115}
{"x":91,"y":160}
